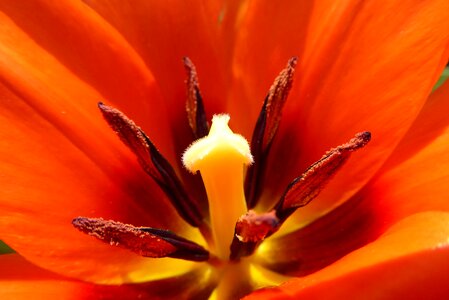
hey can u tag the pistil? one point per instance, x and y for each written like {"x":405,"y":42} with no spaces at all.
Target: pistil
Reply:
{"x":221,"y":158}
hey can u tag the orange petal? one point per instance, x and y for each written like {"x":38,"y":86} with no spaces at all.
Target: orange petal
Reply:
{"x":415,"y":177}
{"x":410,"y":260}
{"x":412,"y":180}
{"x":92,"y":50}
{"x":429,"y":126}
{"x":357,"y":62}
{"x":60,"y":161}
{"x":60,"y":158}
{"x":163,"y":32}
{"x":20,"y":279}
{"x":269,"y":33}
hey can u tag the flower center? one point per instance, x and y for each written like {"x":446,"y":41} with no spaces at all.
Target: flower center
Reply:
{"x":233,"y":179}
{"x":221,"y":158}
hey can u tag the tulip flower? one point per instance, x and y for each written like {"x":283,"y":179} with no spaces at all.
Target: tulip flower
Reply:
{"x":224,"y":149}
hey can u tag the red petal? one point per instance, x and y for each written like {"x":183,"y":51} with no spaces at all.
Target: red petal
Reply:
{"x":57,"y":166}
{"x":357,"y":63}
{"x":91,"y":50}
{"x":429,"y":126}
{"x":410,"y":260}
{"x":21,"y":280}
{"x":415,"y":178}
{"x":163,"y":33}
{"x":412,"y":180}
{"x":60,"y":158}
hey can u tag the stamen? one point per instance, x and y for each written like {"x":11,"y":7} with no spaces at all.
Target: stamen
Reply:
{"x":252,"y":228}
{"x":145,"y":241}
{"x":220,"y":157}
{"x":276,"y":99}
{"x":307,"y":187}
{"x":194,"y":104}
{"x":153,"y":163}
{"x":265,"y":130}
